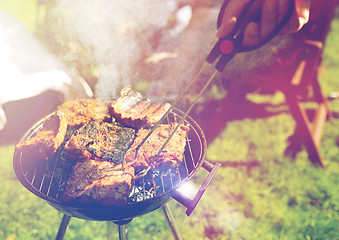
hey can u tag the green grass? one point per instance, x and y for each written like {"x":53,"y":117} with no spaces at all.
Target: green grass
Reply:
{"x":276,"y":199}
{"x":280,"y":199}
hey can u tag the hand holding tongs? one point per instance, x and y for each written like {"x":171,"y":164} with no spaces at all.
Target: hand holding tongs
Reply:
{"x":224,"y":50}
{"x":228,"y":46}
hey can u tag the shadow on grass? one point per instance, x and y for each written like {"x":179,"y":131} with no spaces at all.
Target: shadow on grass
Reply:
{"x":245,"y":109}
{"x":213,"y":119}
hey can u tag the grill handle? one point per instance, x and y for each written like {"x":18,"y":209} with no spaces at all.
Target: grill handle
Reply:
{"x":189,"y":203}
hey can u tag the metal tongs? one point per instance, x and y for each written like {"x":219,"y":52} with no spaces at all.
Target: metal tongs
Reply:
{"x":222,"y":52}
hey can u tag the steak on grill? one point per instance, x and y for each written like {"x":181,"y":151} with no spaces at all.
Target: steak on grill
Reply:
{"x":100,"y":141}
{"x":146,"y":155}
{"x":47,"y":140}
{"x":81,"y":111}
{"x":91,"y":182}
{"x":134,"y":111}
{"x":104,"y":154}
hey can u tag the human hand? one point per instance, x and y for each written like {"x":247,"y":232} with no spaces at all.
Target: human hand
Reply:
{"x":272,"y":12}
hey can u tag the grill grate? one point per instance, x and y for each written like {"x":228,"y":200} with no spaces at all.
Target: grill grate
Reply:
{"x":47,"y":179}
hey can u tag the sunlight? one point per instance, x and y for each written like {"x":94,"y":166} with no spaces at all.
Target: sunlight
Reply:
{"x":188,"y":189}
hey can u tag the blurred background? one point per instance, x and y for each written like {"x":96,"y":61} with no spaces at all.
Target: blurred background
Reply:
{"x":52,"y":51}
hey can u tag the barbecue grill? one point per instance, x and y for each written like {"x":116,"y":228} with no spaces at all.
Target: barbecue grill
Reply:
{"x":152,"y":191}
{"x":45,"y":179}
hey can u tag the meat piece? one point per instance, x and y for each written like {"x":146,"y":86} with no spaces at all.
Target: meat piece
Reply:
{"x":99,"y":181}
{"x":47,"y":140}
{"x":134,"y":111}
{"x":146,"y":155}
{"x":81,"y":111}
{"x":100,"y":141}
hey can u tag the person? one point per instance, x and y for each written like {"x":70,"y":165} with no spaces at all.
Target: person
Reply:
{"x":272,"y":12}
{"x":33,"y":81}
{"x":197,"y":41}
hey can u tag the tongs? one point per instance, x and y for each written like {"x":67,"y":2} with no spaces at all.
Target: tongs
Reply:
{"x":222,"y":52}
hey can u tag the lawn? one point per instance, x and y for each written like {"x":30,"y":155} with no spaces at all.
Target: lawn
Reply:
{"x":277,"y":198}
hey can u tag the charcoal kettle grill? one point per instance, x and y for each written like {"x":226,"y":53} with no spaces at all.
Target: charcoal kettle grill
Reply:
{"x":44,"y":179}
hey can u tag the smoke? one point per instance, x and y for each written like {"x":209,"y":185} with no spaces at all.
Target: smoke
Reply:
{"x":116,"y":32}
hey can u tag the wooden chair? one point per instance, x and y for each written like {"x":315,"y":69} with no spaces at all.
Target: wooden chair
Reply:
{"x":296,"y":76}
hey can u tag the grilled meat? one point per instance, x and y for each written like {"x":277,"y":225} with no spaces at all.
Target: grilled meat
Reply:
{"x":100,"y":141}
{"x":99,"y":181}
{"x":81,"y":111}
{"x":106,"y":155}
{"x":47,"y":140}
{"x":134,"y":111}
{"x":146,"y":155}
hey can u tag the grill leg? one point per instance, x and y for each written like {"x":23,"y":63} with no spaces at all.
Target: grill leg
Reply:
{"x":63,"y":227}
{"x":171,"y":221}
{"x":123,"y":232}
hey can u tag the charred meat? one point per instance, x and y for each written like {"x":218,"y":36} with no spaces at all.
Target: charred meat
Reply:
{"x":100,"y":141}
{"x":134,"y":111}
{"x":47,"y":140}
{"x":99,"y":181}
{"x":102,"y":151}
{"x":81,"y":111}
{"x":146,"y":155}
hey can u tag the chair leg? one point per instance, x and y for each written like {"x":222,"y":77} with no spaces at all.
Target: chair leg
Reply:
{"x":304,"y":128}
{"x":320,"y":98}
{"x":322,"y":112}
{"x":318,"y":122}
{"x":294,"y":145}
